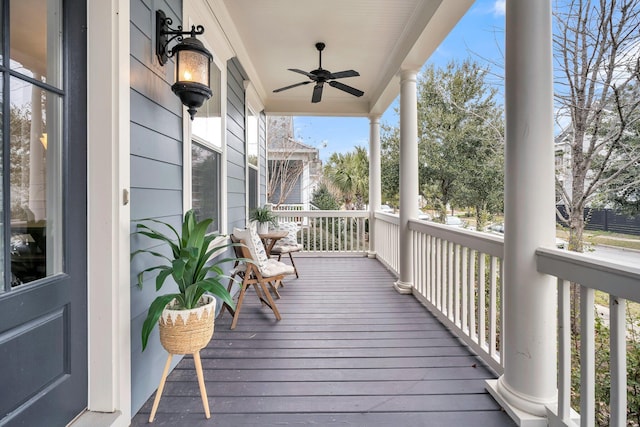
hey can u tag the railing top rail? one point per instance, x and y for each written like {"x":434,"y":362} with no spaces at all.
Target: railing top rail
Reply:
{"x":323,"y":214}
{"x":482,"y":242}
{"x":388,"y":217}
{"x":621,"y":280}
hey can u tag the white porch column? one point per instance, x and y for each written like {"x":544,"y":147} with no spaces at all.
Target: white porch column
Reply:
{"x":375,"y":187}
{"x":408,"y":175}
{"x":529,"y":380}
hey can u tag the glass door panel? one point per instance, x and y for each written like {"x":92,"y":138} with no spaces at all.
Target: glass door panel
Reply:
{"x":36,"y":48}
{"x":35,"y":182}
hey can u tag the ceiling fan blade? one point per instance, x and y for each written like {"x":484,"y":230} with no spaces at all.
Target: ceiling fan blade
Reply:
{"x":348,"y":89}
{"x":317,"y":92}
{"x":292,"y":86}
{"x":311,"y":76}
{"x":343,"y":74}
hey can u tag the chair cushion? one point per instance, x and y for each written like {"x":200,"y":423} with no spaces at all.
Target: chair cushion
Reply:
{"x":292,"y":234}
{"x":270,"y":269}
{"x":275,"y":268}
{"x":251,"y":239}
{"x":285,"y":249}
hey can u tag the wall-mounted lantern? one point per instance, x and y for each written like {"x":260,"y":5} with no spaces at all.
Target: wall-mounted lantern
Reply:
{"x":193,"y":61}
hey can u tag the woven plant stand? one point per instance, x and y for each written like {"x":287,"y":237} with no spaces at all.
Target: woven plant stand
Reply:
{"x":186,"y":332}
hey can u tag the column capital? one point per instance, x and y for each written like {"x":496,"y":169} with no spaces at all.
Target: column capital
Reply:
{"x":408,"y":75}
{"x":375,"y":118}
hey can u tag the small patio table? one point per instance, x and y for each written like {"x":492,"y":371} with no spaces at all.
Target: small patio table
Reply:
{"x":270,"y":238}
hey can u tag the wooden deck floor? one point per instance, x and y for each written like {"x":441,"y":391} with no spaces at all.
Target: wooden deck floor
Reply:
{"x":349,"y":350}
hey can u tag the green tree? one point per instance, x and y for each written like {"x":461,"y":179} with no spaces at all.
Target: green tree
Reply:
{"x":323,"y":199}
{"x":390,"y":164}
{"x":623,"y":191}
{"x":595,"y":46}
{"x":348,"y":175}
{"x":461,"y":136}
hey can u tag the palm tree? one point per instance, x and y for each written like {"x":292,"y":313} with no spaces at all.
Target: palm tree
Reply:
{"x":348,"y":175}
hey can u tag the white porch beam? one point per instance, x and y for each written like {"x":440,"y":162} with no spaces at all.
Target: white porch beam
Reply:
{"x":375,"y":186}
{"x":529,"y":381}
{"x":408,"y":175}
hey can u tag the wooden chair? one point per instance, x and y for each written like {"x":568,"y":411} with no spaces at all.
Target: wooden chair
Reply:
{"x":258,"y":273}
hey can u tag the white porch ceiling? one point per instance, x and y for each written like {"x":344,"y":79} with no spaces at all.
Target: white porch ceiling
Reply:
{"x":377,"y":38}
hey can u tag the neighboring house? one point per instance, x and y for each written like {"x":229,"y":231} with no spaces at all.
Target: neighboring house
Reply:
{"x":94,"y":140}
{"x":562,"y":150}
{"x":295,"y":168}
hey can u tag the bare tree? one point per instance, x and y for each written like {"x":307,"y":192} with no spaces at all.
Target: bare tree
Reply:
{"x":285,"y":170}
{"x":596,"y":46}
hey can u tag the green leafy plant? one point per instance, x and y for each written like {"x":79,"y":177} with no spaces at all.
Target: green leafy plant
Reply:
{"x":262,"y":215}
{"x":188,"y":265}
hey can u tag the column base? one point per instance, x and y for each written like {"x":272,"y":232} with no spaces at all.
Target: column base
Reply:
{"x":371,"y":254}
{"x":403,"y":287}
{"x":533,"y":416}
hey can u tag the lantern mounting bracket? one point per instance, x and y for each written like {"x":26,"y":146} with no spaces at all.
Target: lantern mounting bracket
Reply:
{"x":165,"y":35}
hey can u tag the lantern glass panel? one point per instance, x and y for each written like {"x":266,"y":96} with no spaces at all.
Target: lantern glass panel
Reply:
{"x":193,"y":66}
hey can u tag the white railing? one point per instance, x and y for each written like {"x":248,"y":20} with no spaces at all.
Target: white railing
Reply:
{"x":621,"y":283}
{"x":289,"y":207}
{"x":457,"y":274}
{"x":387,"y":229}
{"x":331,"y":232}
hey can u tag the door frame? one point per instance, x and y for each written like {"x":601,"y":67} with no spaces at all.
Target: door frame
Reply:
{"x":108,"y":214}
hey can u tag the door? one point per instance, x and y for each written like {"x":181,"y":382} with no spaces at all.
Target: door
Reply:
{"x":43,"y":311}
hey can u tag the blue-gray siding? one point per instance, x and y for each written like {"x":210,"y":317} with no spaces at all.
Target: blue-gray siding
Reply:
{"x":156,"y":175}
{"x":236,"y":147}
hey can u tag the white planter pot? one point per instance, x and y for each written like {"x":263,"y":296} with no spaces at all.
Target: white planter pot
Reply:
{"x":263,"y":227}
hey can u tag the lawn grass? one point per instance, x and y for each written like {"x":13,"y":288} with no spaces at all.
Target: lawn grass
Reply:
{"x":633,"y":308}
{"x":604,"y":240}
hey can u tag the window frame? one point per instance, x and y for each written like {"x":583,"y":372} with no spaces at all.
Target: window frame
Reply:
{"x":220,"y":148}
{"x":253,"y":107}
{"x":218,"y":152}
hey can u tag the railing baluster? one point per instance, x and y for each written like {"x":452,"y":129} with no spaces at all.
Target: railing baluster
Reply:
{"x":587,"y":357}
{"x":418,"y":266}
{"x":315,"y":234}
{"x":492,"y":306}
{"x":450,"y":280}
{"x":472,"y":297}
{"x":456,"y":284}
{"x":333,"y":235}
{"x":501,"y":308}
{"x":465,"y":290}
{"x":426,"y":241}
{"x":482,"y":300}
{"x":564,"y":350}
{"x":439,"y":274}
{"x":618,"y":362}
{"x":443,"y":275}
{"x":432,"y":270}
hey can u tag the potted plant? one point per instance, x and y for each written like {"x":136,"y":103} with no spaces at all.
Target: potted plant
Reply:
{"x":188,"y":266}
{"x":185,"y":317}
{"x":263,"y":216}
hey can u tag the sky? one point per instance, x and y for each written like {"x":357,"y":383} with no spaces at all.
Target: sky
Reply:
{"x":479,"y":35}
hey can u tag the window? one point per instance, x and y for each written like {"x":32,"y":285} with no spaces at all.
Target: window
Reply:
{"x":32,"y":112}
{"x":252,"y":159}
{"x":205,"y":183}
{"x":206,"y":156}
{"x":207,"y":124}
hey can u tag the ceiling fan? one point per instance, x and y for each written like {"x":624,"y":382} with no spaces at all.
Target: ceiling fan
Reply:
{"x":321,"y":76}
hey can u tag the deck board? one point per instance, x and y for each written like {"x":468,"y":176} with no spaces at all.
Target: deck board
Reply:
{"x":349,"y":350}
